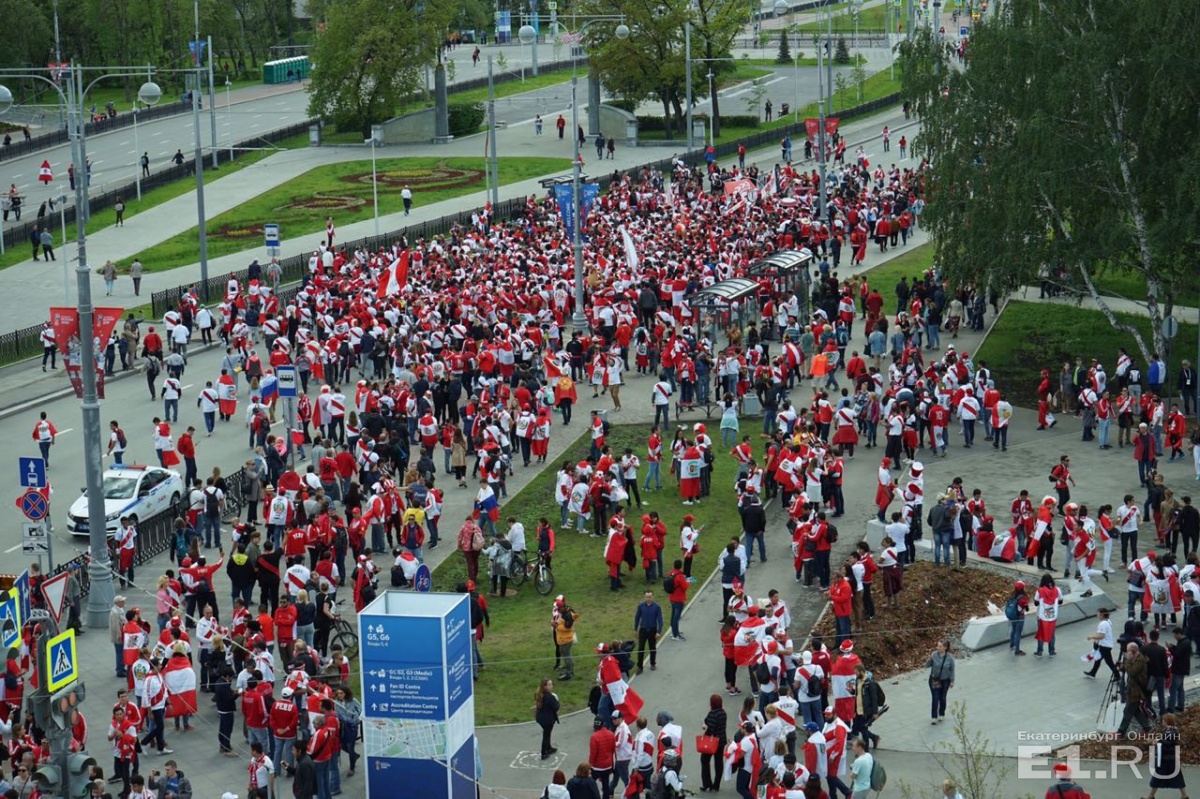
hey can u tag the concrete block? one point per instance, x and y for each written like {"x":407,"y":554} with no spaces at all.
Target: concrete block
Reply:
{"x":874,"y":534}
{"x":992,"y":630}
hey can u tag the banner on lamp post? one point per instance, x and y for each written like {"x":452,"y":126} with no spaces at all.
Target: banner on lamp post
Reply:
{"x":566,"y":205}
{"x":65,"y":322}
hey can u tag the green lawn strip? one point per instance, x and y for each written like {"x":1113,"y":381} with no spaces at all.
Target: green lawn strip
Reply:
{"x":870,"y":20}
{"x":510,"y":88}
{"x":876,"y":86}
{"x":911,"y":264}
{"x":1031,"y":336}
{"x":517,"y":647}
{"x":103,"y":219}
{"x":347,"y":186}
{"x":806,"y":61}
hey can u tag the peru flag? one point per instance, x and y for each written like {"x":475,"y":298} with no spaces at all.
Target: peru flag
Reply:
{"x":180,"y":680}
{"x":395,"y":278}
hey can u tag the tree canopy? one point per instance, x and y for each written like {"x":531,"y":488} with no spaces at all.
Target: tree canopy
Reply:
{"x":1067,"y":139}
{"x":651,"y":63}
{"x":370,"y":56}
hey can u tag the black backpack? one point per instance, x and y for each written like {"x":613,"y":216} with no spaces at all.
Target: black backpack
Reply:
{"x":831,"y":533}
{"x":212,"y":505}
{"x":669,"y":584}
{"x":763,"y":672}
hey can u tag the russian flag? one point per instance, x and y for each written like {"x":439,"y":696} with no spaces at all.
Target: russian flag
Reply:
{"x":268,"y":388}
{"x":180,"y":680}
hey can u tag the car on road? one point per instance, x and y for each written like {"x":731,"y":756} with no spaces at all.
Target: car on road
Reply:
{"x":129,"y":490}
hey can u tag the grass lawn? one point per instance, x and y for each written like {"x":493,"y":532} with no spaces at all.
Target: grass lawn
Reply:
{"x":517,"y":646}
{"x":870,"y":20}
{"x":105,"y":218}
{"x":911,"y":264}
{"x":344,"y":192}
{"x":1030,"y":336}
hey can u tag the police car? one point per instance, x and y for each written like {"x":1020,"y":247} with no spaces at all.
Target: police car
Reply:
{"x":130,"y":490}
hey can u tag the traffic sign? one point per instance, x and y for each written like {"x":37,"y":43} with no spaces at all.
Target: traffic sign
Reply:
{"x":61,"y":661}
{"x":422,"y":580}
{"x":54,"y":590}
{"x":33,"y":504}
{"x":271,"y":235}
{"x":1170,"y":327}
{"x":35,"y":539}
{"x":286,"y":375}
{"x":10,"y":620}
{"x":964,"y":31}
{"x":33,"y":472}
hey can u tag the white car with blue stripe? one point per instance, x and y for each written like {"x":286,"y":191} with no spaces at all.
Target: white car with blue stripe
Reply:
{"x":130,"y":490}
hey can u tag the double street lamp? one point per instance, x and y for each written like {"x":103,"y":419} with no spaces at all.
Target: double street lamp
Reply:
{"x":100,"y":595}
{"x":527,"y":35}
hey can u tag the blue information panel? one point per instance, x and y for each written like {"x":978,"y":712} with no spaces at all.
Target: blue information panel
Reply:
{"x":418,"y":694}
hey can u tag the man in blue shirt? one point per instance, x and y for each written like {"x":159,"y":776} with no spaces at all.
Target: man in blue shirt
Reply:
{"x":648,"y":624}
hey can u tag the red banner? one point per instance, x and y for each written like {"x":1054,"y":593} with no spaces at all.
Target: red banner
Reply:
{"x":65,"y":322}
{"x":811,"y":127}
{"x":831,"y":125}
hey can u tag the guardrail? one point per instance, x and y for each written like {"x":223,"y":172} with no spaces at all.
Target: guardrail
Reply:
{"x":107,"y":124}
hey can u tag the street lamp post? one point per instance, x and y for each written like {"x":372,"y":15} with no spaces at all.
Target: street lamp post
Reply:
{"x":687,"y":61}
{"x":198,"y":162}
{"x":99,"y":567}
{"x":374,"y":181}
{"x":229,"y":115}
{"x":579,"y":318}
{"x":781,"y":8}
{"x":149,"y":94}
{"x":492,"y":167}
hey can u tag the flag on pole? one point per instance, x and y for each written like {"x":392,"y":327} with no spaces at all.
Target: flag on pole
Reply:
{"x":631,"y":256}
{"x":44,"y":173}
{"x":394,"y":278}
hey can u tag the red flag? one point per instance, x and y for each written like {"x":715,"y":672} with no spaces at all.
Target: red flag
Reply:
{"x":631,"y":708}
{"x":394,"y":278}
{"x":400,"y":270}
{"x":104,"y":321}
{"x":44,"y":173}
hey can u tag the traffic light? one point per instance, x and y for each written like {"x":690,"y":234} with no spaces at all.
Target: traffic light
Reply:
{"x":49,"y":781}
{"x":79,"y":767}
{"x":64,"y":705}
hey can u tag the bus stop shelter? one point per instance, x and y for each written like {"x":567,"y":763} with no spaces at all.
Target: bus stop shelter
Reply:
{"x":787,"y":272}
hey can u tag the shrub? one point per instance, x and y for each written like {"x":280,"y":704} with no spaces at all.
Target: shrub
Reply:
{"x":465,"y":118}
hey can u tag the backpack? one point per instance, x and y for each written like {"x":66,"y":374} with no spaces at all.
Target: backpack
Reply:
{"x":398,"y":578}
{"x":594,"y":699}
{"x":669,"y":584}
{"x":1012,"y":610}
{"x":605,"y":426}
{"x":659,"y":788}
{"x":831,"y":533}
{"x":203,"y":586}
{"x":813,"y":685}
{"x":878,"y":776}
{"x":121,"y":438}
{"x":763,"y":672}
{"x":212,"y":505}
{"x":568,"y":618}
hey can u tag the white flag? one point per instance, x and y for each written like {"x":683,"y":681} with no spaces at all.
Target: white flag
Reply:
{"x":631,"y":256}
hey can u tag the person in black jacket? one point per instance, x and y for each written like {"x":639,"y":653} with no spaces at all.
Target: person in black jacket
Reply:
{"x":715,"y":724}
{"x":545,"y":712}
{"x":226,"y":702}
{"x":1189,"y":526}
{"x":304,"y":778}
{"x":754,"y":523}
{"x":1156,"y":670}
{"x":1181,"y":667}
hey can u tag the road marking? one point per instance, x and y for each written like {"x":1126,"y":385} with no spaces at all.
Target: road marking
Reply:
{"x":64,"y":432}
{"x":189,"y":385}
{"x":122,"y":143}
{"x":13,"y":549}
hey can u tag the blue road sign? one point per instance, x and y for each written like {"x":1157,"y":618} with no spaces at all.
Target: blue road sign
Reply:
{"x":286,"y":381}
{"x":423,"y":579}
{"x":62,"y":661}
{"x":33,"y":472}
{"x":964,"y":31}
{"x":22,"y":588}
{"x":10,"y":620}
{"x":33,"y":505}
{"x":271,"y":235}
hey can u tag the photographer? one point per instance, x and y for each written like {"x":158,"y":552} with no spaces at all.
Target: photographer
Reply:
{"x":1135,"y":667}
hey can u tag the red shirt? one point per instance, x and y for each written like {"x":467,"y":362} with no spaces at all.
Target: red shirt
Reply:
{"x":185,"y":447}
{"x":602,"y":749}
{"x":681,"y":586}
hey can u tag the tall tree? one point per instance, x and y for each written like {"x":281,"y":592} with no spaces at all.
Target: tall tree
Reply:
{"x":1067,"y":140}
{"x":371,"y":56}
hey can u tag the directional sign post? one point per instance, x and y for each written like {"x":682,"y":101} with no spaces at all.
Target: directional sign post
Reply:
{"x":286,"y":376}
{"x":32,"y":471}
{"x":62,"y":661}
{"x":271,"y":238}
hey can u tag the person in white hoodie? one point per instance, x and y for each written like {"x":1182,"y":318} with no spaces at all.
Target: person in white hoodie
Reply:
{"x":557,"y":789}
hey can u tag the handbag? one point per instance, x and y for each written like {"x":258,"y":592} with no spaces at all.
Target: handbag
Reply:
{"x":707,"y":744}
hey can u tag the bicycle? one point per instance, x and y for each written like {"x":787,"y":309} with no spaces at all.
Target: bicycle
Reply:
{"x":519,"y":571}
{"x":344,"y":635}
{"x":543,"y":577}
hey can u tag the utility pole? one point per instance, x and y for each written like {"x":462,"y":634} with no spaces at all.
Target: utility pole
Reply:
{"x":198,"y":161}
{"x":493,"y":165}
{"x":687,"y":55}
